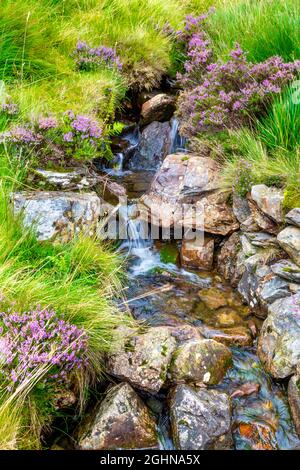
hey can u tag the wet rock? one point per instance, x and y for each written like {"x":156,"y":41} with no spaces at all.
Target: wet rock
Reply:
{"x":269,"y":201}
{"x":184,"y":333}
{"x":184,"y":194}
{"x":198,"y":253}
{"x":213,"y":297}
{"x":258,"y":436}
{"x":58,"y":216}
{"x":143,"y":359}
{"x":205,"y":361}
{"x":247,"y":247}
{"x":294,"y":400}
{"x":235,"y":336}
{"x":121,"y":422}
{"x":289,"y":240}
{"x":293,"y":217}
{"x":279,"y":340}
{"x":200,"y":419}
{"x":230,"y":260}
{"x":158,"y":108}
{"x":154,"y":145}
{"x":287,"y":270}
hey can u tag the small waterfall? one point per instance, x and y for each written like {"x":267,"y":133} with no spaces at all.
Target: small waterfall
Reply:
{"x":177,"y":141}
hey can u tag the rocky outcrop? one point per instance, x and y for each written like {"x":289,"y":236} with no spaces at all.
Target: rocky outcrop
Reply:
{"x":184,"y":193}
{"x":155,"y":143}
{"x":205,"y":361}
{"x":122,"y":421}
{"x":198,"y":253}
{"x":58,"y":216}
{"x":279,"y":341}
{"x":143,"y":359}
{"x":200,"y":419}
{"x":158,"y":108}
{"x":289,"y":240}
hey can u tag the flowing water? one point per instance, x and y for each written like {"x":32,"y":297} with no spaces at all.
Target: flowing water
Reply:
{"x":160,"y":292}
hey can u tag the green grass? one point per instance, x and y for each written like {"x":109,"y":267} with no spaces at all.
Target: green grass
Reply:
{"x":280,"y":129}
{"x":262,"y":27}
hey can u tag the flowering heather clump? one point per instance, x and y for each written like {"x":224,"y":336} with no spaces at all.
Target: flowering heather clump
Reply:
{"x":76,"y":136}
{"x":225,"y":94}
{"x":20,"y":135}
{"x":10,"y":108}
{"x":38,"y":338}
{"x":46,"y":123}
{"x":90,"y":58}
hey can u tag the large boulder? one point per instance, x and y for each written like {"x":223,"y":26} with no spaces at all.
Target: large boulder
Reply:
{"x":294,"y":400}
{"x":143,"y":359}
{"x":289,"y":240}
{"x":269,"y":201}
{"x":122,"y":421}
{"x":197,"y":253}
{"x":58,"y":215}
{"x":185,"y":193}
{"x":205,"y":361}
{"x":158,"y":108}
{"x":279,"y":340}
{"x":155,"y":143}
{"x":293,"y":217}
{"x":200,"y":419}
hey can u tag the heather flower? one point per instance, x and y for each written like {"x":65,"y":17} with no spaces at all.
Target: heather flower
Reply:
{"x":89,"y":58}
{"x":46,"y":123}
{"x":39,"y":338}
{"x":21,"y":135}
{"x":68,"y":137}
{"x":10,"y":108}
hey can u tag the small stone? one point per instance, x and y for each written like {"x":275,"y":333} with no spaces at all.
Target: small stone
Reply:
{"x":205,"y":361}
{"x":235,"y":336}
{"x":121,"y":422}
{"x":200,"y":419}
